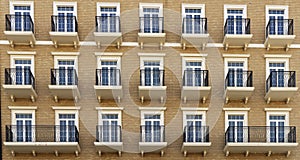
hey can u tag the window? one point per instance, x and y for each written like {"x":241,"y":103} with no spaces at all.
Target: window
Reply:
{"x":151,"y":71}
{"x":152,"y":126}
{"x":66,"y":13}
{"x":234,"y":15}
{"x":277,"y":126}
{"x":235,"y":122}
{"x":234,"y":72}
{"x":109,"y":126}
{"x":194,"y":126}
{"x":22,"y":12}
{"x":66,"y":70}
{"x":277,"y":71}
{"x":276,"y":16}
{"x":108,"y":17}
{"x":108,"y":72}
{"x":193,"y":18}
{"x":22,"y":69}
{"x":151,"y":18}
{"x":193,"y":71}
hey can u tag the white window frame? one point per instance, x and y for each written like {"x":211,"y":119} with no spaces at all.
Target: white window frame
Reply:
{"x":72,"y":110}
{"x":108,"y":4}
{"x":226,"y":60}
{"x":22,"y":57}
{"x":144,"y":57}
{"x":193,"y":6}
{"x":277,"y":112}
{"x":227,"y":113}
{"x":75,"y":58}
{"x":160,"y":112}
{"x":109,"y":58}
{"x":118,"y":112}
{"x":22,"y":3}
{"x":193,"y":59}
{"x":151,"y":5}
{"x":277,"y":7}
{"x":238,"y":7}
{"x":187,"y":112}
{"x":65,"y":4}
{"x":276,"y":60}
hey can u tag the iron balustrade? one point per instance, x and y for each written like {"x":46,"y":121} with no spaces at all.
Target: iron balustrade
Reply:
{"x":41,"y":133}
{"x":280,"y":27}
{"x":260,"y":134}
{"x":281,"y":79}
{"x":196,"y":134}
{"x":108,"y":24}
{"x":18,"y":23}
{"x":108,"y":133}
{"x":64,"y":77}
{"x":195,"y":78}
{"x":152,"y":77}
{"x":238,"y":78}
{"x":21,"y":76}
{"x":64,"y":24}
{"x":151,"y":24}
{"x":108,"y":77}
{"x":237,"y":26}
{"x":194,"y":25}
{"x":152,"y":133}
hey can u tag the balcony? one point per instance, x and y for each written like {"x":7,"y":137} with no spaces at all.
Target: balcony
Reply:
{"x":151,"y":31}
{"x":64,"y":31}
{"x":108,"y":84}
{"x":20,"y":83}
{"x":19,"y":29}
{"x":237,"y":33}
{"x":281,"y":86}
{"x":108,"y":139}
{"x":260,"y":139}
{"x":36,"y":139}
{"x":279,"y":33}
{"x":152,"y":139}
{"x":238,"y":85}
{"x":195,"y":140}
{"x":195,"y":85}
{"x":64,"y":84}
{"x":108,"y":31}
{"x":152,"y":85}
{"x":194,"y":33}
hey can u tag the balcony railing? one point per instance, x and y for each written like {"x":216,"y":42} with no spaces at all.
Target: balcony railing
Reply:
{"x":196,"y":134}
{"x":64,"y":77}
{"x":195,"y":78}
{"x":64,"y":24}
{"x":238,"y":78}
{"x":280,"y":27}
{"x":194,"y":26}
{"x":18,"y":23}
{"x":151,"y":24}
{"x":153,"y":77}
{"x":22,"y":76}
{"x":41,"y":133}
{"x":281,"y":79}
{"x":108,"y":133}
{"x":237,"y":26}
{"x":107,"y":24}
{"x":260,"y":134}
{"x":108,"y":77}
{"x":152,"y":133}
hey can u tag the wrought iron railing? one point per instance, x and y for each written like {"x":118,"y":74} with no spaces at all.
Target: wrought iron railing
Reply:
{"x":108,"y":133}
{"x":152,"y":133}
{"x":260,"y":134}
{"x":152,"y":77}
{"x":195,"y":78}
{"x":64,"y":24}
{"x":64,"y":77}
{"x":21,"y":76}
{"x":41,"y":133}
{"x":108,"y":77}
{"x":194,"y":25}
{"x":238,"y":78}
{"x":237,"y":26}
{"x":280,"y":27}
{"x":107,"y":24}
{"x":281,"y":79}
{"x":151,"y":24}
{"x":18,"y":23}
{"x":196,"y":134}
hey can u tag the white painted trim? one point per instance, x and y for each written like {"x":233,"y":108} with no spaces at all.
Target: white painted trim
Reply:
{"x":192,"y":112}
{"x":65,"y":53}
{"x":192,"y":55}
{"x":109,"y":108}
{"x":285,"y":113}
{"x":236,"y":55}
{"x":193,"y":6}
{"x":236,"y":109}
{"x":13,"y":3}
{"x":152,"y":54}
{"x":68,"y":4}
{"x":231,"y":6}
{"x":151,"y":5}
{"x":14,"y":57}
{"x":236,"y":112}
{"x":152,"y":108}
{"x":276,"y":60}
{"x":67,"y":111}
{"x":277,"y":55}
{"x":21,"y":53}
{"x":108,"y":53}
{"x":108,"y":4}
{"x":109,"y":58}
{"x":280,"y":7}
{"x":193,"y":109}
{"x":193,"y":59}
{"x":22,"y":107}
{"x":24,"y":111}
{"x":143,"y":112}
{"x":277,"y":109}
{"x":152,"y":58}
{"x":65,"y":108}
{"x":75,"y":58}
{"x":100,"y":112}
{"x":226,"y":60}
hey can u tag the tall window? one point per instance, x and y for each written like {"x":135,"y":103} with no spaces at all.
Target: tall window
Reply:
{"x":108,"y":17}
{"x":277,"y":74}
{"x":192,"y":22}
{"x":277,"y":123}
{"x":23,"y":71}
{"x":276,"y":22}
{"x":152,"y":75}
{"x":66,"y":16}
{"x":236,"y":128}
{"x":152,"y":128}
{"x":66,"y":72}
{"x":24,"y":128}
{"x":21,"y":15}
{"x":151,"y":18}
{"x":194,"y":131}
{"x":234,"y":15}
{"x":110,"y":128}
{"x":235,"y":74}
{"x":193,"y":74}
{"x":109,"y":73}
{"x":67,"y":128}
